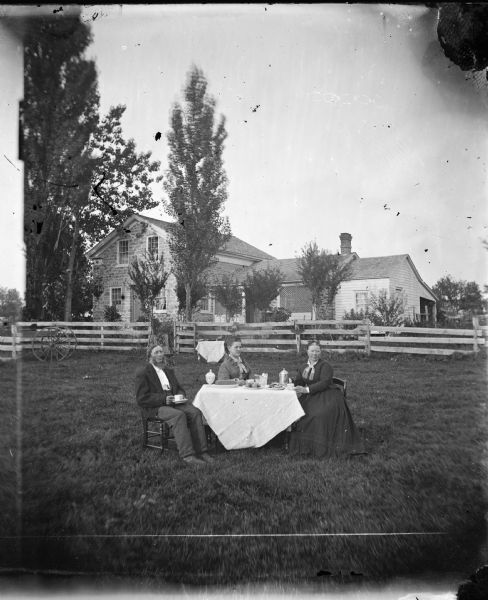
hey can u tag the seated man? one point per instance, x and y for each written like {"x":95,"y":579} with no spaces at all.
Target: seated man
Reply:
{"x":153,"y":384}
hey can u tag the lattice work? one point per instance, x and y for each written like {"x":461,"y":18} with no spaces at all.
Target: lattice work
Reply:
{"x":296,"y":298}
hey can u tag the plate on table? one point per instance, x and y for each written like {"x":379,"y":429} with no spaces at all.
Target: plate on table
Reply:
{"x":227,"y":383}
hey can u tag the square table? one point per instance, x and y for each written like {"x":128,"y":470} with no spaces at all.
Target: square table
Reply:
{"x":244,"y":417}
{"x":211,"y":351}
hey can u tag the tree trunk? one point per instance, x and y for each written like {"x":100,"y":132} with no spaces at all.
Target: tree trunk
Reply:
{"x":188,"y":302}
{"x":150,"y":337}
{"x":71,"y":267}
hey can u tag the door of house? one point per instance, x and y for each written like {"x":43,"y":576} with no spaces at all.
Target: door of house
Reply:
{"x":135,"y":307}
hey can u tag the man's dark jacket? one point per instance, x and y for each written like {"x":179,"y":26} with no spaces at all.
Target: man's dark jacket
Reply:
{"x":149,"y":391}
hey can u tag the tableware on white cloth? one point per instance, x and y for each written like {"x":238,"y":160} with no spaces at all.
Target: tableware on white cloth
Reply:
{"x":227,"y":383}
{"x":210,"y":377}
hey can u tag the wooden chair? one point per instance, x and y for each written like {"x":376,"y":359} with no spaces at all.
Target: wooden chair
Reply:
{"x":156,"y":433}
{"x":342,"y":383}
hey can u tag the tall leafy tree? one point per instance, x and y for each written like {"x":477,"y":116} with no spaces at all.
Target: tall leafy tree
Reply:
{"x":448,"y":291}
{"x":119,"y":184}
{"x":322,"y":273}
{"x":10,"y":303}
{"x":60,"y":110}
{"x":456,"y":295}
{"x":262,"y":287}
{"x":227,"y":292}
{"x":198,"y":291}
{"x":196,"y":184}
{"x":472,"y":298}
{"x":81,"y":176}
{"x":148,"y":278}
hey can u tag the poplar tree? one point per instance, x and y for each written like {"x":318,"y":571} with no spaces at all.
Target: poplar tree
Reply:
{"x":59,"y":112}
{"x":195,"y":184}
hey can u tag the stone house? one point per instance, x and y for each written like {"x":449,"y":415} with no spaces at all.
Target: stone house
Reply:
{"x":111,"y":257}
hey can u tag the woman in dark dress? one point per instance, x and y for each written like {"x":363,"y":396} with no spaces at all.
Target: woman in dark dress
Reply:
{"x":233,"y":366}
{"x":327,"y":429}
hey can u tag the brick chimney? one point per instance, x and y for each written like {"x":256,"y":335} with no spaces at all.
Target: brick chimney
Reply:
{"x":345,"y":243}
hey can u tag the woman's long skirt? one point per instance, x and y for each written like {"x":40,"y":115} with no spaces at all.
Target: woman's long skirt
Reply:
{"x":327,"y":429}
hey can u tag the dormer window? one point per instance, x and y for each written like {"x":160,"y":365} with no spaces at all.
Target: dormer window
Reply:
{"x":123,"y":252}
{"x":153,"y":246}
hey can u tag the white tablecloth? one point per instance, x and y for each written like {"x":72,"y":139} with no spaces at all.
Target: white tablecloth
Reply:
{"x":211,"y":351}
{"x":247,"y":418}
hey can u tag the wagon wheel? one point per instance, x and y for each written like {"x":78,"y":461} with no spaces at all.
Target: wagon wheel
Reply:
{"x":54,"y":344}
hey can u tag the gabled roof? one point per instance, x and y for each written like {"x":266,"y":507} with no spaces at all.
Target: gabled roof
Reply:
{"x":218,"y":269}
{"x":377,"y":267}
{"x":288,"y":267}
{"x":235,"y":246}
{"x":381,"y":267}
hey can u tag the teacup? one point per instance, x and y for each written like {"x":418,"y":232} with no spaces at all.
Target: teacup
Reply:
{"x":178,"y":397}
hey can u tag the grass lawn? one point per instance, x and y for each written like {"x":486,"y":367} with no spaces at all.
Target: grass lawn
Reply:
{"x":93,"y":499}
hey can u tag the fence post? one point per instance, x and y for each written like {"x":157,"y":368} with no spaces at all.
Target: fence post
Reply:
{"x":475,"y":334}
{"x":367,"y":339}
{"x":101,"y":336}
{"x":14,"y":340}
{"x":177,"y":338}
{"x":297,"y":337}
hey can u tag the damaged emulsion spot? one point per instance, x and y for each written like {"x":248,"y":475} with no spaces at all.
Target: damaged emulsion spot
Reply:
{"x":95,"y":189}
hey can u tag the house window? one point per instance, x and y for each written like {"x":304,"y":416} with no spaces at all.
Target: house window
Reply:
{"x":160,"y":303}
{"x":116,"y":296}
{"x":123,"y":257}
{"x":207,"y":304}
{"x":361,"y":301}
{"x":153,"y":246}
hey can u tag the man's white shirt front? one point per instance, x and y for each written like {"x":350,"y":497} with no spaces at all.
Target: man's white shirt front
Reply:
{"x":162,"y":378}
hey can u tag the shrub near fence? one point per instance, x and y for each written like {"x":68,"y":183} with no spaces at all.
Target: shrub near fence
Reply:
{"x":107,"y":335}
{"x":335,"y":336}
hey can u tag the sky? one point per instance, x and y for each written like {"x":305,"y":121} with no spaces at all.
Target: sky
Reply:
{"x":340,"y":118}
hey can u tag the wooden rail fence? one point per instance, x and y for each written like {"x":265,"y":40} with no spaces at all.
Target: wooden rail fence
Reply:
{"x":335,"y":336}
{"x":110,"y":335}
